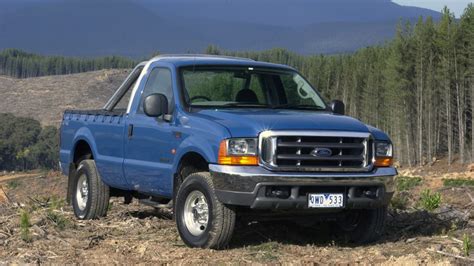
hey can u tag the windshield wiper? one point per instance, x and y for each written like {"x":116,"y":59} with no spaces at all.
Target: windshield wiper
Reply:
{"x":297,"y":106}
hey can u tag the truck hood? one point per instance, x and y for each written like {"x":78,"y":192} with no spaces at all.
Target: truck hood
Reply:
{"x":250,"y":122}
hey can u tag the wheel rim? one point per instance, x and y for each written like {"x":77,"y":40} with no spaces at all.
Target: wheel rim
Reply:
{"x":196,"y":213}
{"x":82,"y":192}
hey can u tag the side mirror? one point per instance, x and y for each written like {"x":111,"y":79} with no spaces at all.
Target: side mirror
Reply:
{"x":337,"y":107}
{"x":155,"y":105}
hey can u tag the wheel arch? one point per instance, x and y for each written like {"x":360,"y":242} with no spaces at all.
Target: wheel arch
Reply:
{"x":82,"y":150}
{"x":190,"y":162}
{"x":84,"y":146}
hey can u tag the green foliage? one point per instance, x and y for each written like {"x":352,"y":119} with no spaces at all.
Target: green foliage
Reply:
{"x":417,"y":87}
{"x":466,"y":244}
{"x":405,"y":183}
{"x":46,"y":149}
{"x":24,"y":144}
{"x":56,"y":203}
{"x":430,"y":200}
{"x":25,"y":226}
{"x":59,"y":220}
{"x":13,"y":184}
{"x":52,"y":213}
{"x":458,"y":182}
{"x":20,"y":64}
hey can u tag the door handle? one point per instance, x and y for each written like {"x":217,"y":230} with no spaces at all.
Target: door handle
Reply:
{"x":130,"y":131}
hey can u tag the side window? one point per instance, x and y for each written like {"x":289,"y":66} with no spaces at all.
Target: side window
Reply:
{"x":159,"y":81}
{"x":298,"y":91}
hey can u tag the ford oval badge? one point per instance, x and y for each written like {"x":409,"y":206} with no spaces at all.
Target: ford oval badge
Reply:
{"x":321,"y":152}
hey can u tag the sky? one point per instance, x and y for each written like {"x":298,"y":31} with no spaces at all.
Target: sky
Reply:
{"x":456,"y":6}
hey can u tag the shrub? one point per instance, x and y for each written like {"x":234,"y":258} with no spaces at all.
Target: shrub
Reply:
{"x":13,"y":184}
{"x":430,"y":200}
{"x":25,"y":145}
{"x":459,"y":182}
{"x":25,"y":226}
{"x":405,"y":183}
{"x":56,"y":203}
{"x":58,"y":219}
{"x":466,"y":244}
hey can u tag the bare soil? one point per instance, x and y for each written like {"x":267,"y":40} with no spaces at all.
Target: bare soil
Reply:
{"x":46,"y":98}
{"x":139,"y":234}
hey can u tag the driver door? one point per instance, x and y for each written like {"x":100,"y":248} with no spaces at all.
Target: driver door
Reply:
{"x":148,"y":148}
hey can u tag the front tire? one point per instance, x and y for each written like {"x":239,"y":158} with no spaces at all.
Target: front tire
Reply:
{"x":363,"y":226}
{"x":90,"y":196}
{"x":201,"y":219}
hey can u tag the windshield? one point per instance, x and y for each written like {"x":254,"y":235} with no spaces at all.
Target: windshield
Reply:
{"x":248,"y":87}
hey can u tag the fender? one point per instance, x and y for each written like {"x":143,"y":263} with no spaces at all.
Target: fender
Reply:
{"x":200,"y":135}
{"x":206,"y":150}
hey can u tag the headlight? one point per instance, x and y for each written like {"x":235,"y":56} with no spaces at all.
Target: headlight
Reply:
{"x":242,"y":146}
{"x":383,"y":149}
{"x":383,"y":154}
{"x":238,"y":151}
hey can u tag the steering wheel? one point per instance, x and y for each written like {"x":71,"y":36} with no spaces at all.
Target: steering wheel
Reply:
{"x":200,"y":97}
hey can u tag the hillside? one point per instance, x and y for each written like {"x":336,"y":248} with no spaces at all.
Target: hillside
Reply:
{"x":45,"y":98}
{"x":287,"y":13}
{"x":138,"y":28}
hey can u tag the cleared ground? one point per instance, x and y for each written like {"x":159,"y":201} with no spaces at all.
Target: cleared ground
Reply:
{"x":46,"y":98}
{"x":139,"y":234}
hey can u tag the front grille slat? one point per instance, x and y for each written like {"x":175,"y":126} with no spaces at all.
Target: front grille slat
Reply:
{"x":312,"y":158}
{"x":321,"y":145}
{"x":317,"y":151}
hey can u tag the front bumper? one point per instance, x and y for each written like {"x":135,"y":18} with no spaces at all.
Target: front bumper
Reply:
{"x":253,"y":186}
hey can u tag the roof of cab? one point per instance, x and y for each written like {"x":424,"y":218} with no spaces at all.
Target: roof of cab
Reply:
{"x":182,"y":60}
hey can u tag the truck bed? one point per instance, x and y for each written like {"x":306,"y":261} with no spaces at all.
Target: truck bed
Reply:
{"x":103,"y":131}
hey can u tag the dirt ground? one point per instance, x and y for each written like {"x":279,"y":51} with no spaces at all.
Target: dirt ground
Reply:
{"x":139,"y":234}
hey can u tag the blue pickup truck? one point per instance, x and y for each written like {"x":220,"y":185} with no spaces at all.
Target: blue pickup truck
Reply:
{"x":218,"y":138}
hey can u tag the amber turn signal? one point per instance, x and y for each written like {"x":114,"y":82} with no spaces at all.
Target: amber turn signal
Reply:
{"x":224,"y":158}
{"x":383,"y":161}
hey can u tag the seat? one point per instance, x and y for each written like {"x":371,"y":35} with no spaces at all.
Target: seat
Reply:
{"x":246,"y":96}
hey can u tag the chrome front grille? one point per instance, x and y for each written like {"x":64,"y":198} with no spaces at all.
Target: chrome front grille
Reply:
{"x":316,"y":151}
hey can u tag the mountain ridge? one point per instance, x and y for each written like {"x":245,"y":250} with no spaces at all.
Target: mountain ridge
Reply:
{"x":138,"y":28}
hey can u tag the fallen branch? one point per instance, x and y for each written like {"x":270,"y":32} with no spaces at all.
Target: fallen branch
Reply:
{"x":470,"y":196}
{"x":408,"y":228}
{"x":6,"y":195}
{"x":451,"y":255}
{"x":41,"y":204}
{"x":5,"y":233}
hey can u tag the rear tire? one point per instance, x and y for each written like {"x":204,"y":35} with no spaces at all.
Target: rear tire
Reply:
{"x":201,"y":219}
{"x":363,"y":226}
{"x":90,"y":196}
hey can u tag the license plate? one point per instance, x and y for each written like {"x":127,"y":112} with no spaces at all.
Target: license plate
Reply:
{"x":325,"y":200}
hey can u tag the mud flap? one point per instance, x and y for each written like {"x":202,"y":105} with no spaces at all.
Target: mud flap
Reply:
{"x":70,"y":182}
